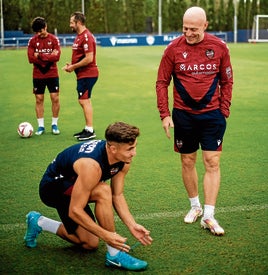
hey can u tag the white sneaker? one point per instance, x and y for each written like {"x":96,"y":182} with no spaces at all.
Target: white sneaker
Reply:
{"x":193,"y":214}
{"x":212,"y":225}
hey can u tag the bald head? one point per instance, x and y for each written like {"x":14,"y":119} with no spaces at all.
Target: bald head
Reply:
{"x":194,"y":24}
{"x":196,"y":13}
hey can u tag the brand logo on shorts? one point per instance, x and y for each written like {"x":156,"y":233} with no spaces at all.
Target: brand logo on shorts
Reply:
{"x":179,"y":143}
{"x":219,"y":142}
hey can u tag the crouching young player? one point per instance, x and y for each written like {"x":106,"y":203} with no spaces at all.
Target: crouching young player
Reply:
{"x":75,"y":179}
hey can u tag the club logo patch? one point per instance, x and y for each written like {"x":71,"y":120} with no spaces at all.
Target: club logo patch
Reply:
{"x":179,"y":143}
{"x":114,"y":170}
{"x":210,"y":54}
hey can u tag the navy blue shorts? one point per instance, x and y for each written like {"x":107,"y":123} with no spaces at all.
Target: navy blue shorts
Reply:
{"x":39,"y":85}
{"x":85,"y":86}
{"x":191,"y":131}
{"x":53,"y":194}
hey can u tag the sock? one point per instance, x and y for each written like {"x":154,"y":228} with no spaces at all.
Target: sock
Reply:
{"x":209,"y":211}
{"x":48,"y":225}
{"x":41,"y":122}
{"x":195,"y":202}
{"x":112,"y":251}
{"x":90,"y":129}
{"x":54,"y":121}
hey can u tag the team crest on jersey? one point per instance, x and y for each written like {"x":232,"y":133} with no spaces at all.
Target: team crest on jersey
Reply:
{"x":114,"y":170}
{"x":210,"y":53}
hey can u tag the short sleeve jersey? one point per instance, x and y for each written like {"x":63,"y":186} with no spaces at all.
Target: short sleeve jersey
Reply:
{"x":62,"y":166}
{"x":85,"y":43}
{"x":202,"y":76}
{"x":45,"y":65}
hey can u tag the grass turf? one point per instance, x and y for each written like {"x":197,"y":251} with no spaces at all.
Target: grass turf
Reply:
{"x":126,"y":91}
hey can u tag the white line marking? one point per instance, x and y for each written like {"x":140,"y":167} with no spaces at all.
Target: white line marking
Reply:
{"x":165,"y":214}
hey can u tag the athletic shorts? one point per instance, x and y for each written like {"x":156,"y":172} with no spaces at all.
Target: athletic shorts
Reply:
{"x":192,"y":130}
{"x":52,"y":195}
{"x":39,"y":85}
{"x":85,"y":86}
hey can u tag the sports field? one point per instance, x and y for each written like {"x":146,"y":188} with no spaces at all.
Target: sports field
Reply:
{"x":126,"y":91}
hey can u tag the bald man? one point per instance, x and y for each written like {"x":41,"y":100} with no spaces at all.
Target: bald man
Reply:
{"x":200,"y":66}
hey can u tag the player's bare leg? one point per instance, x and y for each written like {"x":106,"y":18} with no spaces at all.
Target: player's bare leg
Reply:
{"x":39,"y":110}
{"x":189,"y":174}
{"x":39,"y":105}
{"x":190,"y":180}
{"x":211,"y":189}
{"x":88,"y":111}
{"x":55,"y":106}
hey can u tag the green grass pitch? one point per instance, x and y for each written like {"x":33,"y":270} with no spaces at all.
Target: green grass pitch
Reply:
{"x":126,"y":91}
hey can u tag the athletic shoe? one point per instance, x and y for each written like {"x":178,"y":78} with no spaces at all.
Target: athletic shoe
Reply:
{"x":125,"y":261}
{"x":40,"y":131}
{"x":212,"y":225}
{"x":79,"y":134}
{"x":86,"y":135}
{"x":33,"y":229}
{"x":55,"y":130}
{"x":193,"y":214}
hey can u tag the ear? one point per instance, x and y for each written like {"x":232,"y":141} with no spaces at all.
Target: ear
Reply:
{"x":113,"y":148}
{"x":206,"y":25}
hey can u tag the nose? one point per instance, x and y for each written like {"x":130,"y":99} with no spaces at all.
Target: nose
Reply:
{"x":133,"y":152}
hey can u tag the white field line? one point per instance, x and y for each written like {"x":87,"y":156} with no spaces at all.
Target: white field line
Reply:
{"x":165,"y":214}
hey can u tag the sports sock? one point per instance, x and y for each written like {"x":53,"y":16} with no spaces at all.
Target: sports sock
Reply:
{"x":209,"y":211}
{"x":195,"y":202}
{"x":48,"y":224}
{"x":112,"y":251}
{"x":54,"y":121}
{"x":90,"y":129}
{"x":41,"y":122}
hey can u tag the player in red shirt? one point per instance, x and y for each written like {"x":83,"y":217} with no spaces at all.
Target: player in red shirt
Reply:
{"x":200,"y":66}
{"x":84,"y":65}
{"x":44,"y":53}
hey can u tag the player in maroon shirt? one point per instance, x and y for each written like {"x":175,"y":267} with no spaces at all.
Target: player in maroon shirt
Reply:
{"x":44,"y":53}
{"x":84,"y":65}
{"x":200,"y":66}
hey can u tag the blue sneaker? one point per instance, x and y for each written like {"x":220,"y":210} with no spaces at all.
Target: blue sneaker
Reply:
{"x":33,"y":229}
{"x":40,"y":131}
{"x":55,"y":130}
{"x":125,"y":261}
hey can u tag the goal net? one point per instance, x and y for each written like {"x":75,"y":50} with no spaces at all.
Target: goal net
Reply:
{"x":259,"y":29}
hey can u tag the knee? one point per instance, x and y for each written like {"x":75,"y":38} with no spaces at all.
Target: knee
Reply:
{"x":212,"y":163}
{"x":188,"y":162}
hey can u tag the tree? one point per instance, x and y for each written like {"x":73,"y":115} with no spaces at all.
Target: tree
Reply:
{"x":263,"y":7}
{"x":229,"y":17}
{"x":241,"y":17}
{"x":212,"y":26}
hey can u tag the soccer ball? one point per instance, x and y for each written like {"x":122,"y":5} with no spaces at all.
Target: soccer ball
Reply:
{"x":25,"y":129}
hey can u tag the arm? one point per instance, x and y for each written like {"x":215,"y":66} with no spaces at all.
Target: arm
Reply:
{"x":121,"y":207}
{"x":226,"y":84}
{"x":163,"y":81}
{"x":54,"y":56}
{"x":89,"y":173}
{"x":83,"y":62}
{"x":32,"y":55}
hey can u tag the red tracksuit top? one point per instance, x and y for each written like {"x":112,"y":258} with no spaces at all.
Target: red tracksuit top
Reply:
{"x":45,"y":65}
{"x":202,"y":76}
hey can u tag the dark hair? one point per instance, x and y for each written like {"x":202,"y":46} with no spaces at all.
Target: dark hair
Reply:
{"x":38,"y":23}
{"x":121,"y":132}
{"x":79,"y":16}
